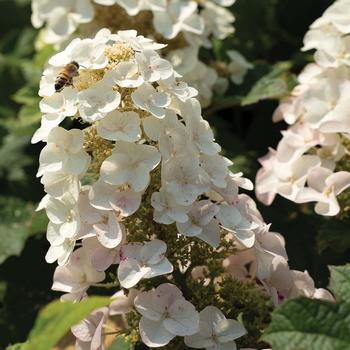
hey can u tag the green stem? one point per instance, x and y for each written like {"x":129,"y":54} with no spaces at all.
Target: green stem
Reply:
{"x":106,"y":285}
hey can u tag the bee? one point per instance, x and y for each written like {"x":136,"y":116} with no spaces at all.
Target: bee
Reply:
{"x":66,"y":75}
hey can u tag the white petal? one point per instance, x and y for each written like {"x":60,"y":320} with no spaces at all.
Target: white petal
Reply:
{"x":183,"y":318}
{"x":129,"y":273}
{"x":153,"y":333}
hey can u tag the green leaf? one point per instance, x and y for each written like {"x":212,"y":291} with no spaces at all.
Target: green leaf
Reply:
{"x":120,"y":344}
{"x":28,"y":94}
{"x":276,"y":84}
{"x":340,"y":281}
{"x":15,"y":215}
{"x":30,"y":114}
{"x":13,"y":158}
{"x":18,"y":346}
{"x":38,"y":222}
{"x":56,"y":319}
{"x":19,"y":221}
{"x":308,"y":324}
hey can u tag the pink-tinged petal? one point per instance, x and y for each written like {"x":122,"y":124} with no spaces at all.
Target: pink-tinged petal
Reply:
{"x":246,"y":237}
{"x":153,"y":333}
{"x":84,"y":330}
{"x":103,"y":258}
{"x":131,"y":250}
{"x":211,"y":234}
{"x":183,"y":318}
{"x":210,"y":316}
{"x":303,"y":284}
{"x":150,"y":305}
{"x":274,"y":243}
{"x":162,"y":268}
{"x":308,"y":194}
{"x":323,"y":294}
{"x":99,"y":195}
{"x":81,"y":345}
{"x":110,"y":235}
{"x":200,"y":341}
{"x":280,"y":278}
{"x":76,"y":163}
{"x":153,"y":252}
{"x":90,"y":329}
{"x":97,"y":339}
{"x":129,"y":273}
{"x":329,"y":208}
{"x":168,"y":292}
{"x":340,"y":181}
{"x":228,"y":330}
{"x":317,"y":178}
{"x":121,"y":303}
{"x":125,"y":202}
{"x":50,"y":159}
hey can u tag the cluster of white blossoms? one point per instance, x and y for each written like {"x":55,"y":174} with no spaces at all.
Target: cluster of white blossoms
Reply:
{"x":187,"y":25}
{"x":305,"y":165}
{"x":139,"y":145}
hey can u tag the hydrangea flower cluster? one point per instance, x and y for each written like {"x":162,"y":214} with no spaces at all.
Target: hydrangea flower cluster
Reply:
{"x":186,"y":24}
{"x":305,"y":167}
{"x":138,"y":161}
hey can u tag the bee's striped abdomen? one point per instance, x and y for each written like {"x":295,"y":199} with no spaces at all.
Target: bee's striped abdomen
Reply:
{"x":62,"y":80}
{"x":65,"y":77}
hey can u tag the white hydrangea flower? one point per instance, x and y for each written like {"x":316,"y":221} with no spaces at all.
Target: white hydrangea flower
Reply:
{"x":104,"y":196}
{"x":62,"y":17}
{"x":185,"y":179}
{"x":96,"y":101}
{"x":89,"y":332}
{"x":123,"y":126}
{"x":101,"y":258}
{"x":201,"y":223}
{"x":215,"y":331}
{"x":136,"y":42}
{"x":89,"y":53}
{"x":237,"y":219}
{"x":135,"y":6}
{"x":170,"y":18}
{"x":166,"y":209}
{"x":203,"y":78}
{"x":130,"y":164}
{"x":76,"y":276}
{"x":165,"y":315}
{"x":201,"y":133}
{"x":238,"y":66}
{"x":180,"y":90}
{"x":179,"y":16}
{"x":139,"y":261}
{"x":64,"y":213}
{"x":317,"y":111}
{"x":152,"y":67}
{"x":57,"y":183}
{"x":323,"y":187}
{"x":56,"y":108}
{"x":64,"y":152}
{"x":60,"y":248}
{"x":218,"y":20}
{"x":216,"y":167}
{"x":150,"y":100}
{"x":126,"y":74}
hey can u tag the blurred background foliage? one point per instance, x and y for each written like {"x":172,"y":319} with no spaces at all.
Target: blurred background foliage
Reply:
{"x":269,"y":33}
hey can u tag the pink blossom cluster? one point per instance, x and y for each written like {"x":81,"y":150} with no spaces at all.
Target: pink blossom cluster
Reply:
{"x":304,"y":166}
